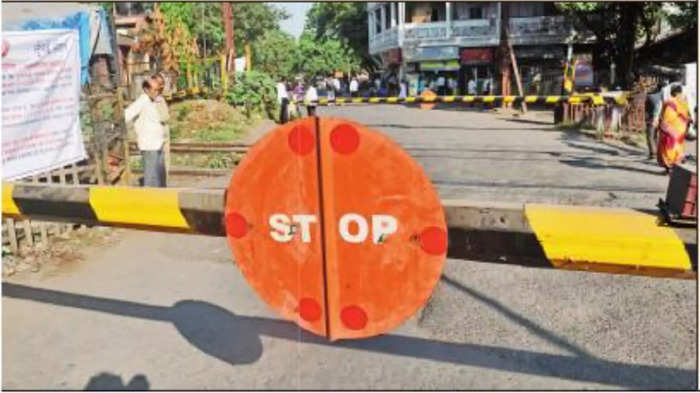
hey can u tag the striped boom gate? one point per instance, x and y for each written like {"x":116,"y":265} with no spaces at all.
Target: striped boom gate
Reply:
{"x":607,"y":240}
{"x":488,"y":99}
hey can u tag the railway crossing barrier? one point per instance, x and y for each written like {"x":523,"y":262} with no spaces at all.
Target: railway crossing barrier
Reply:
{"x":343,"y":233}
{"x":592,"y":98}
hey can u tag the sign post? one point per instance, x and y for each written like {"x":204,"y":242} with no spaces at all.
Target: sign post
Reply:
{"x":341,"y":232}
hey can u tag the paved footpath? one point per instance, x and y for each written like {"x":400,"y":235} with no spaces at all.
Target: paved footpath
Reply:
{"x":170,"y":311}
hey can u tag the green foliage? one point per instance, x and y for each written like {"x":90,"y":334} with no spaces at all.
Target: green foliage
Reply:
{"x":204,"y":21}
{"x":346,"y":22}
{"x":276,"y":54}
{"x":617,"y":27}
{"x":253,"y":20}
{"x":255,"y":91}
{"x":318,"y":57}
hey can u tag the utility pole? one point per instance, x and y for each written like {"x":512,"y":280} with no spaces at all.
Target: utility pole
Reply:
{"x":504,"y":60}
{"x":227,"y":14}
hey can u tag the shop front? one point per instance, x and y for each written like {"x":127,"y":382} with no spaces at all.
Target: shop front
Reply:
{"x":541,"y":69}
{"x":433,"y":68}
{"x":477,"y":71}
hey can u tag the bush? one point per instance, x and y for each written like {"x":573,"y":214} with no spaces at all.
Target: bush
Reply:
{"x":255,"y":91}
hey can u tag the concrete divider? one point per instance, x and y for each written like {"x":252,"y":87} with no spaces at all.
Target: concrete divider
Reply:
{"x":555,"y":236}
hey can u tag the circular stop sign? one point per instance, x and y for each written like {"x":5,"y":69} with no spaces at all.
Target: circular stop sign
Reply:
{"x":336,"y":227}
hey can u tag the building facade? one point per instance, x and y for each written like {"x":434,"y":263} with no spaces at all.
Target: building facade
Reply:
{"x":455,"y":44}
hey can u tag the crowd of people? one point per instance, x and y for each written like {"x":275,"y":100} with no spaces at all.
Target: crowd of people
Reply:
{"x":292,"y":96}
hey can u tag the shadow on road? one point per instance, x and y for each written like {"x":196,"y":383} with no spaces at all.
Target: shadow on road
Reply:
{"x":108,"y":381}
{"x":425,"y":127}
{"x":236,"y":340}
{"x":527,"y":121}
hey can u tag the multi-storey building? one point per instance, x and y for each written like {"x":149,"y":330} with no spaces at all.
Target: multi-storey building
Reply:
{"x":458,"y":41}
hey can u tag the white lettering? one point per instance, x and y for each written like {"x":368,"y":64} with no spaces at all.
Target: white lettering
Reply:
{"x":382,"y":226}
{"x":305,"y":221}
{"x":362,"y":226}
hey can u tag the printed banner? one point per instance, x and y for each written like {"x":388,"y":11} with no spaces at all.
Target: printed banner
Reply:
{"x":41,"y":99}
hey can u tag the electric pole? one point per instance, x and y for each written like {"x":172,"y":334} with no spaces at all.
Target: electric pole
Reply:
{"x":227,"y":14}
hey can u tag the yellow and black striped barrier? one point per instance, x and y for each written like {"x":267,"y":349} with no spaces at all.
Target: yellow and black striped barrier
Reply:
{"x":489,"y":99}
{"x":555,"y":236}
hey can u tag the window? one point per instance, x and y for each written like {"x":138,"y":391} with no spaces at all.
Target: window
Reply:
{"x":526,"y":10}
{"x":425,"y":12}
{"x":378,"y":20}
{"x":475,"y":13}
{"x":465,"y":11}
{"x":387,"y":16}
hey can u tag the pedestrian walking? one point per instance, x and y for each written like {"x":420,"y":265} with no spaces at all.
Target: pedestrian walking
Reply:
{"x":283,"y":100}
{"x":331,"y":87}
{"x":311,"y":100}
{"x":673,"y":125}
{"x":471,"y":87}
{"x":354,"y":87}
{"x":150,"y":134}
{"x":652,"y":111}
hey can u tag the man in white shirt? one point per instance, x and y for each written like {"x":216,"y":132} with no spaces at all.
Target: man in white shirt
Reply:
{"x":311,"y":98}
{"x":354,"y":87}
{"x":471,"y":87}
{"x":283,"y":100}
{"x":150,"y":134}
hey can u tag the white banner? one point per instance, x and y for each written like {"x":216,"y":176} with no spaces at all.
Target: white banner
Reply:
{"x":40,"y":102}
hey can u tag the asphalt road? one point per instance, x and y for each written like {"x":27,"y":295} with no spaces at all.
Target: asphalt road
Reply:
{"x":168,"y":311}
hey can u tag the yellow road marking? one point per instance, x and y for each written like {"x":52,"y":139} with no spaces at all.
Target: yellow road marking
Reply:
{"x":605,"y":236}
{"x":340,"y":100}
{"x":8,"y":203}
{"x":145,"y":206}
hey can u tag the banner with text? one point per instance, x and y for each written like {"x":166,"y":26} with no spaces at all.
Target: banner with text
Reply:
{"x":41,"y":98}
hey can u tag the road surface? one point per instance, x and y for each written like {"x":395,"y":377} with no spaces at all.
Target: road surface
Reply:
{"x":170,"y":311}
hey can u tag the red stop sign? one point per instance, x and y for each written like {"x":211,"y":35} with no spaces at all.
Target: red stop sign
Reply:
{"x":336,"y":227}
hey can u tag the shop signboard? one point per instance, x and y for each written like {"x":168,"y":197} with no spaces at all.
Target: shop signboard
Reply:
{"x":476,"y":56}
{"x":450,"y":65}
{"x":584,"y":73}
{"x":422,"y":53}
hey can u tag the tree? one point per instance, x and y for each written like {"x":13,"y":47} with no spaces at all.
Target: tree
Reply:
{"x":202,"y":21}
{"x":276,"y":53}
{"x":619,"y":27}
{"x":318,"y":57}
{"x":253,"y":20}
{"x":346,"y":22}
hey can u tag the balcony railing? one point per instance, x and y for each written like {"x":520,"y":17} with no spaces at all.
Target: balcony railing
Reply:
{"x":425,"y":31}
{"x":385,"y":40}
{"x":541,"y":30}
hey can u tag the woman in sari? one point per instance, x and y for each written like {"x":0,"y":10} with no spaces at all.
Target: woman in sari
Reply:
{"x":673,"y":124}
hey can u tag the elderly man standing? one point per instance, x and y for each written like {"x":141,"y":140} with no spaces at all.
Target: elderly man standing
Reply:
{"x":164,"y":119}
{"x":150,"y":133}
